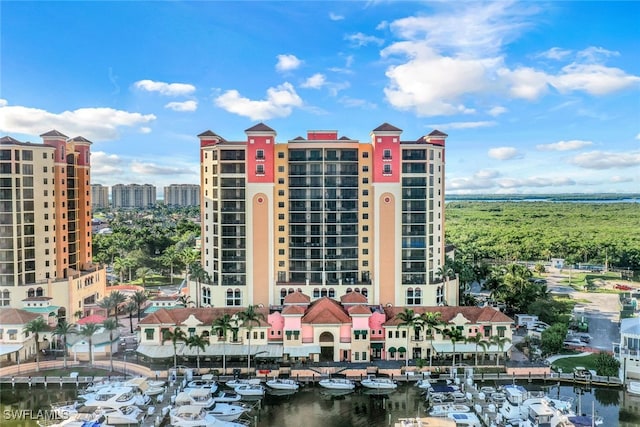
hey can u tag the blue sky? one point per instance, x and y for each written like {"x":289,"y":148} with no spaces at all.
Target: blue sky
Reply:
{"x":537,"y":97}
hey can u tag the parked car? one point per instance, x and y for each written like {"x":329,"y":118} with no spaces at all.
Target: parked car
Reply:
{"x":623,"y":287}
{"x":573,"y":342}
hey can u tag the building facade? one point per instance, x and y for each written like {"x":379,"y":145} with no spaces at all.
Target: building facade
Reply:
{"x":182,"y":195}
{"x":324,"y":215}
{"x":127,"y":196}
{"x":45,"y":217}
{"x":99,"y":196}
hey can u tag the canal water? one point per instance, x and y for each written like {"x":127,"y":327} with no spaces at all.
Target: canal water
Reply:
{"x":313,"y":406}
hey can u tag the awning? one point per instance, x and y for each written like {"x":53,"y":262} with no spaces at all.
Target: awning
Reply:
{"x":9,"y":348}
{"x":302,"y":350}
{"x":159,"y":351}
{"x":377,"y":345}
{"x":233,"y":350}
{"x":12,"y":331}
{"x":402,"y":350}
{"x":392,"y":350}
{"x":469,"y":348}
{"x":51,"y":310}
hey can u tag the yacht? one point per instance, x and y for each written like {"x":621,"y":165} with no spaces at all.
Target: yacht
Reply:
{"x":150,"y":388}
{"x":129,"y":415}
{"x":245,"y":390}
{"x":78,"y":419}
{"x":444,"y":410}
{"x":283,"y":384}
{"x":115,"y":397}
{"x":465,"y":419}
{"x":196,"y":416}
{"x":379,"y":383}
{"x":226,"y":397}
{"x":203,"y":399}
{"x":207,"y":384}
{"x":337,"y":384}
{"x":227,"y":411}
{"x":425,"y":422}
{"x":196,"y":397}
{"x":633,"y":387}
{"x":236,"y":382}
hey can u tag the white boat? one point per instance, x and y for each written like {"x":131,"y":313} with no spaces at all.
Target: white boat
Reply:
{"x":444,"y":410}
{"x":208,"y":384}
{"x":62,"y":410}
{"x":236,"y":382}
{"x":130,"y":415}
{"x":145,"y":386}
{"x":424,"y":384}
{"x":116,"y":397}
{"x":337,"y":384}
{"x":195,"y":397}
{"x":78,"y":419}
{"x":227,"y":411}
{"x":195,"y":416}
{"x":425,"y":422}
{"x":250,"y":390}
{"x":465,"y":419}
{"x":226,"y":397}
{"x":379,"y":383}
{"x":283,"y":384}
{"x":633,"y":387}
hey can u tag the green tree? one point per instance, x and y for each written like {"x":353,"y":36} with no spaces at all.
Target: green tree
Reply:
{"x":200,"y":276}
{"x":552,"y":338}
{"x":410,"y":320}
{"x":139,"y":298}
{"x":143,"y":273}
{"x":607,"y":365}
{"x":500,"y":342}
{"x":117,"y":298}
{"x":120,"y":266}
{"x":478,"y":340}
{"x":189,"y":256}
{"x":63,"y":330}
{"x":432,"y":320}
{"x":221,"y":327}
{"x":250,"y":317}
{"x":87,"y":331}
{"x":199,"y":343}
{"x":110,"y":325}
{"x":455,"y":335}
{"x":36,"y":327}
{"x":131,"y":308}
{"x":174,"y":336}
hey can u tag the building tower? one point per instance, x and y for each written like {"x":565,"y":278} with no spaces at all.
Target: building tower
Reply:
{"x":324,"y":215}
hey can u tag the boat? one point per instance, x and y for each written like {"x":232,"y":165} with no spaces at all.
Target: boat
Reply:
{"x":337,"y":384}
{"x":425,"y":422}
{"x":116,"y":397}
{"x":633,"y":387}
{"x":443,"y":410}
{"x":227,"y":411}
{"x":145,"y":386}
{"x":196,"y":416}
{"x":75,"y":420}
{"x":379,"y":383}
{"x":207,"y":384}
{"x":196,"y":397}
{"x":465,"y":419}
{"x":130,"y":415}
{"x":585,"y":420}
{"x":236,"y":382}
{"x":424,"y":384}
{"x":62,"y":410}
{"x":245,"y":390}
{"x":283,"y":384}
{"x":226,"y":397}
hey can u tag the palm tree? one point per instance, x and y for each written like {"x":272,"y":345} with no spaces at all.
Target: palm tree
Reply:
{"x":106,"y":303}
{"x":140,"y":297}
{"x":249,"y":317}
{"x":431,"y":321}
{"x":185,"y":300}
{"x":485,"y":345}
{"x":199,"y":343}
{"x":117,"y":298}
{"x":199,"y":275}
{"x":174,"y":336}
{"x":143,"y":273}
{"x":88,"y":331}
{"x":500,"y":342}
{"x":477,"y":339}
{"x":131,"y":308}
{"x":455,"y":335}
{"x":36,"y":327}
{"x":110,"y":325}
{"x":410,"y":320}
{"x":170,"y":256}
{"x":189,"y":256}
{"x":120,"y":266}
{"x":221,"y":326}
{"x":78,"y":314}
{"x":62,"y":330}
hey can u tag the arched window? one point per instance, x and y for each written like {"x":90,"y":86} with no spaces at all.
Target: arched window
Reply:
{"x":409,"y":296}
{"x":356,"y":290}
{"x":417,"y":297}
{"x":229,"y":297}
{"x":323,"y":292}
{"x":291,"y":290}
{"x":6,"y":298}
{"x":31,"y":293}
{"x":332,"y":293}
{"x":237,"y":296}
{"x":365,"y":292}
{"x":205,"y":334}
{"x":316,"y":293}
{"x":300,"y":290}
{"x":283,"y":294}
{"x":349,"y":290}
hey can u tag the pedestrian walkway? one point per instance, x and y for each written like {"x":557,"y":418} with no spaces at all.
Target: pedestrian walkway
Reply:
{"x":552,"y":359}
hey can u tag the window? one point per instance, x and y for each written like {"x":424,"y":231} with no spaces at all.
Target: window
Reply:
{"x":281,"y":169}
{"x":234,"y":297}
{"x":365,"y":155}
{"x":365,"y":169}
{"x":316,"y":293}
{"x":281,"y":228}
{"x":386,"y":155}
{"x":280,"y":192}
{"x":259,"y":169}
{"x":281,"y":204}
{"x":386,"y":169}
{"x":281,"y":216}
{"x":281,"y":155}
{"x":365,"y":204}
{"x":280,"y":181}
{"x":260,"y":154}
{"x":365,"y":192}
{"x":365,"y":180}
{"x":5,"y":298}
{"x":149,"y":334}
{"x":280,"y":239}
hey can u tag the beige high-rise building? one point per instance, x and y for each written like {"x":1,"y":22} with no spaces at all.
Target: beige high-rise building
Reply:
{"x":45,"y":231}
{"x":324,"y":215}
{"x":133,"y":196}
{"x":99,"y":196}
{"x":182,"y":195}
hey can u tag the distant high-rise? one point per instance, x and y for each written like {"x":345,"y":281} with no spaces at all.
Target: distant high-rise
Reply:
{"x":99,"y":196}
{"x":182,"y":195}
{"x":324,"y":215}
{"x":45,"y":217}
{"x":133,"y":196}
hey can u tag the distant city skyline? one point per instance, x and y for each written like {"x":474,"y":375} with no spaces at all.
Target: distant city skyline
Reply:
{"x":537,"y":97}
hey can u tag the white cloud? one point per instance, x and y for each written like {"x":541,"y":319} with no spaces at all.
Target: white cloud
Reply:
{"x":167,"y":89}
{"x":486,"y":174}
{"x":638,"y":136}
{"x":279,"y":103}
{"x":594,"y":54}
{"x":3,"y":102}
{"x":154,"y":169}
{"x":463,"y":125}
{"x":594,"y":79}
{"x":383,"y":25}
{"x":314,"y":82}
{"x":182,"y":106}
{"x":496,"y":111}
{"x":535,"y":182}
{"x":335,"y":17}
{"x":145,"y":129}
{"x":95,"y":124}
{"x":106,"y":164}
{"x":606,"y":160}
{"x":574,"y":144}
{"x":620,"y":179}
{"x":525,"y":82}
{"x":360,"y":39}
{"x":357,"y":103}
{"x":555,"y":53}
{"x":287,"y":63}
{"x":504,"y":153}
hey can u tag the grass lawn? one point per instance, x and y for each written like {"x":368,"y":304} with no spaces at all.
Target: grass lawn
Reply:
{"x":568,"y":363}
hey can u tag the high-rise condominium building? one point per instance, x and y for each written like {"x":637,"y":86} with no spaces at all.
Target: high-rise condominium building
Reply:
{"x":45,"y":224}
{"x":99,"y":196}
{"x":182,"y":195}
{"x":323,"y":215}
{"x":133,"y":195}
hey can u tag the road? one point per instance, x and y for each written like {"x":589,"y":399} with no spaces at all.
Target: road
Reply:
{"x":601,"y":310}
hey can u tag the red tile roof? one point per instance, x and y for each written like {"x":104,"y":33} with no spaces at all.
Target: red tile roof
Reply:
{"x":359,"y":309}
{"x":14,"y":316}
{"x":326,"y":311}
{"x":297,"y":298}
{"x":473,"y":314}
{"x":353,"y":298}
{"x":293,"y":309}
{"x":206,"y":316}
